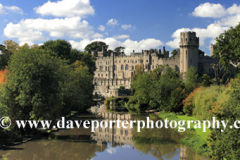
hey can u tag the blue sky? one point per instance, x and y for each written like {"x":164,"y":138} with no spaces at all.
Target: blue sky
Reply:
{"x":134,"y":24}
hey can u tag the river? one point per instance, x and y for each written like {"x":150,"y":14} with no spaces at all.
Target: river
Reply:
{"x":104,"y":144}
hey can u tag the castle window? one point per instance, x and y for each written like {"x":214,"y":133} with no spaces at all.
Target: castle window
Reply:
{"x":132,"y":67}
{"x":121,"y":132}
{"x":128,"y":61}
{"x":106,"y":75}
{"x":122,"y":67}
{"x":186,"y":39}
{"x":119,"y":61}
{"x":124,"y":61}
{"x":102,"y":75}
{"x":136,"y":61}
{"x":101,"y":68}
{"x":98,"y":75}
{"x":126,"y":67}
{"x":146,"y":60}
{"x":105,"y":68}
{"x":106,"y":62}
{"x":146,"y":67}
{"x":126,"y":132}
{"x":115,"y":67}
{"x":152,"y":67}
{"x":108,"y":68}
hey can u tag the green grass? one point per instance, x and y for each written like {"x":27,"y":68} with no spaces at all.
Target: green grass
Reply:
{"x":194,"y":137}
{"x":199,"y":131}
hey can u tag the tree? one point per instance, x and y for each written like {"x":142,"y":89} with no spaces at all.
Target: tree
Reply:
{"x":227,"y":47}
{"x":225,"y":145}
{"x":4,"y":57}
{"x":79,"y":87}
{"x":191,"y":79}
{"x":11,"y":46}
{"x":33,"y":89}
{"x":61,"y":47}
{"x":94,"y":46}
{"x":119,"y":49}
{"x":174,"y":52}
{"x":168,"y":91}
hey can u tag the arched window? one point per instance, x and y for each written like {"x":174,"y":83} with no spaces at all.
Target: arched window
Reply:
{"x":122,"y":67}
{"x":126,"y":67}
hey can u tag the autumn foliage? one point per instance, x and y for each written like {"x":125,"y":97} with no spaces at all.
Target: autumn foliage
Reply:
{"x":188,"y":102}
{"x":3,"y":78}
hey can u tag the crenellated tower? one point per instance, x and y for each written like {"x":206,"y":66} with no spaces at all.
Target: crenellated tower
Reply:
{"x":188,"y":44}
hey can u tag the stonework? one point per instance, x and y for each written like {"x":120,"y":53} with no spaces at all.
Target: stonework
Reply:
{"x":116,"y":70}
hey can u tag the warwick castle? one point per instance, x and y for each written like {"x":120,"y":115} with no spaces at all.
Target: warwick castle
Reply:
{"x":116,"y":70}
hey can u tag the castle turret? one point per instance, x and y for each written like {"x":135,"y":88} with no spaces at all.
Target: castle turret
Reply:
{"x":188,"y":44}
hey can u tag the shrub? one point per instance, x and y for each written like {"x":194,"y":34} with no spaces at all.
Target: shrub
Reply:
{"x":188,"y":102}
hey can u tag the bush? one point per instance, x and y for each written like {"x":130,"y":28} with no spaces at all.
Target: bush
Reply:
{"x":188,"y":102}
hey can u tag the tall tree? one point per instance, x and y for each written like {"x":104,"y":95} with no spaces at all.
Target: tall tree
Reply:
{"x":227,"y":47}
{"x":33,"y":89}
{"x":119,"y":49}
{"x":61,"y":47}
{"x":174,"y":52}
{"x":94,"y":46}
{"x":10,"y":45}
{"x":4,"y":57}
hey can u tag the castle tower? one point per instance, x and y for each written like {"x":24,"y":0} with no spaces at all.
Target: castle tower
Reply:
{"x":188,"y":44}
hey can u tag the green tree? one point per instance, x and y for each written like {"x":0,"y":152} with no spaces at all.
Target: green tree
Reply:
{"x":4,"y":57}
{"x":168,"y":91}
{"x":79,"y":87}
{"x":11,"y":46}
{"x":61,"y":47}
{"x":119,"y":49}
{"x":174,"y":52}
{"x":225,"y":145}
{"x":97,"y":45}
{"x":191,"y":79}
{"x":33,"y":85}
{"x":227,"y":47}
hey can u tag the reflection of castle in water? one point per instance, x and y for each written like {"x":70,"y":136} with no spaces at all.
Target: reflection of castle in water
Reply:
{"x":114,"y":136}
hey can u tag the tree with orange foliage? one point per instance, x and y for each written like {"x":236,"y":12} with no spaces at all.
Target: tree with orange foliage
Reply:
{"x":3,"y":78}
{"x":188,"y":102}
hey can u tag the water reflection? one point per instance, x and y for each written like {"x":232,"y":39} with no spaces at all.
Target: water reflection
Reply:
{"x":104,"y":143}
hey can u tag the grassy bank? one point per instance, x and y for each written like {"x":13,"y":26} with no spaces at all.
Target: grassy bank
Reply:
{"x":193,"y":137}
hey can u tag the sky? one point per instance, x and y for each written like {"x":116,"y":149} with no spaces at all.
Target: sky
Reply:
{"x":134,"y":24}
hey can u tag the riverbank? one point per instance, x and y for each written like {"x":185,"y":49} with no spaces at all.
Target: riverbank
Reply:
{"x":193,"y":137}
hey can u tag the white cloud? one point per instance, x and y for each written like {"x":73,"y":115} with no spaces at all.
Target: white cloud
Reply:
{"x":101,"y":28}
{"x":215,"y":10}
{"x":225,"y":19}
{"x":129,"y":45}
{"x":125,"y":26}
{"x":212,"y":31}
{"x":66,"y":8}
{"x":30,"y":30}
{"x":209,"y":10}
{"x":5,"y":9}
{"x":97,"y":35}
{"x":112,"y":22}
{"x":123,"y":36}
{"x":111,"y":150}
{"x":234,"y":9}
